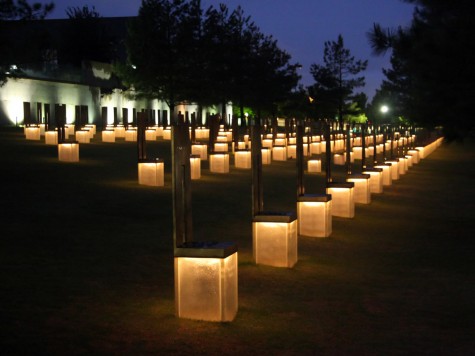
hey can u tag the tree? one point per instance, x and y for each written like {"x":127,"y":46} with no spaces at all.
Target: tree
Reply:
{"x":22,"y":10}
{"x":17,"y":10}
{"x":85,"y":39}
{"x":158,"y":47}
{"x":336,"y":80}
{"x":432,"y":72}
{"x":177,"y":54}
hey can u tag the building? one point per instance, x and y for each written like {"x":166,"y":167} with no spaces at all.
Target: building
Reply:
{"x":67,"y":63}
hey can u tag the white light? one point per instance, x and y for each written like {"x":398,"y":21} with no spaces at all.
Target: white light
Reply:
{"x":384,"y":109}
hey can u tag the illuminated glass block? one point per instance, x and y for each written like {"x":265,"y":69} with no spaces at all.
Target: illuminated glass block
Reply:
{"x":219,"y":162}
{"x":89,"y":132}
{"x":358,"y":152}
{"x":394,"y":168}
{"x":42,"y":129}
{"x":402,"y":165}
{"x":241,"y":145}
{"x":292,"y":140}
{"x":267,"y":142}
{"x":409,"y":161}
{"x":200,"y":149}
{"x":206,"y":282}
{"x":221,"y":147}
{"x":83,"y":136}
{"x":415,"y":156}
{"x":195,"y":166}
{"x":119,"y":131}
{"x":159,"y":131}
{"x":361,"y":191}
{"x":339,"y":159}
{"x":356,"y":142}
{"x":228,"y":134}
{"x":108,"y":136}
{"x":131,"y":135}
{"x":315,"y":148}
{"x":150,"y":135}
{"x":323,"y":146}
{"x":266,"y":155}
{"x":221,"y":138}
{"x":279,"y":153}
{"x":167,"y":133}
{"x":314,"y":165}
{"x":343,"y":203}
{"x":375,"y":180}
{"x":314,"y":215}
{"x":280,"y":141}
{"x":387,"y":176}
{"x":292,"y":151}
{"x":151,"y":172}
{"x":69,"y":130}
{"x":206,"y":134}
{"x":68,"y":152}
{"x":32,"y":133}
{"x":339,"y":145}
{"x":199,"y":133}
{"x":274,"y":237}
{"x":91,"y":127}
{"x":242,"y":159}
{"x":51,"y":137}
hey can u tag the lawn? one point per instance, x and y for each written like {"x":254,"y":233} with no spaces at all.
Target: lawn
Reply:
{"x":86,"y":260}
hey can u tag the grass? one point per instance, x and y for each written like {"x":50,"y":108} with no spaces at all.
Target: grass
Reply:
{"x":86,"y":260}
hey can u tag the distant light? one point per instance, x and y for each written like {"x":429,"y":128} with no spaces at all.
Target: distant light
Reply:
{"x":384,"y":109}
{"x":134,"y":66}
{"x":310,"y":99}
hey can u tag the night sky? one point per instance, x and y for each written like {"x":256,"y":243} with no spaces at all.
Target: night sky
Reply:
{"x":300,"y":26}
